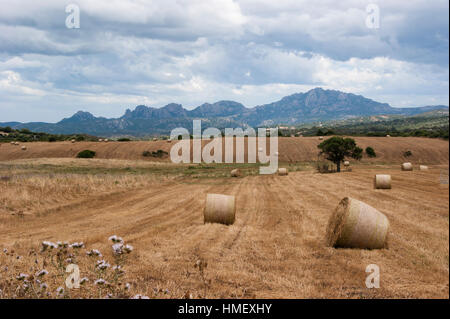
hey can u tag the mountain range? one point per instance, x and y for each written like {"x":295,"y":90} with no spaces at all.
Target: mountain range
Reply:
{"x":313,"y":106}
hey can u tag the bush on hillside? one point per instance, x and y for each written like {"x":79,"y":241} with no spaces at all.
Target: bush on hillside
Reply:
{"x":86,"y":154}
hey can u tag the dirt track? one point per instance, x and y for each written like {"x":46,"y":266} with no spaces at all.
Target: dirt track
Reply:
{"x":304,"y":149}
{"x":276,"y":247}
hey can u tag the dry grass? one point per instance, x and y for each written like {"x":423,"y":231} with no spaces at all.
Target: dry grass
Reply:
{"x":275,"y":249}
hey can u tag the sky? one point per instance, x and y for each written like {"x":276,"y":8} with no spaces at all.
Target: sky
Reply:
{"x":132,"y":52}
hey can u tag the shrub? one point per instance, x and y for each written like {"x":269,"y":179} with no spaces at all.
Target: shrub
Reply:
{"x":52,"y":139}
{"x":86,"y":154}
{"x":158,"y":153}
{"x":123,"y":139}
{"x":407,"y":154}
{"x":370,"y":152}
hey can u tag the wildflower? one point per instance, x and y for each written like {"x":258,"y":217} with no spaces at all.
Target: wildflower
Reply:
{"x":115,"y":239}
{"x":100,"y":282}
{"x":44,"y":286}
{"x":118,"y":269}
{"x":41,"y":273}
{"x":22,"y":277}
{"x":77,"y":245}
{"x":84,"y":280}
{"x":60,"y":291}
{"x":117,"y":249}
{"x":48,"y":245}
{"x":5,"y":250}
{"x":101,"y":264}
{"x":139,"y":296}
{"x":128,"y":249}
{"x":127,"y":286}
{"x":94,"y":252}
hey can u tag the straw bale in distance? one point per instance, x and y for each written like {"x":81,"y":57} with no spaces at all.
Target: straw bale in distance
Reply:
{"x":235,"y":172}
{"x":423,"y":168}
{"x":219,"y":209}
{"x":381,"y":181}
{"x":407,"y":167}
{"x":282,"y":171}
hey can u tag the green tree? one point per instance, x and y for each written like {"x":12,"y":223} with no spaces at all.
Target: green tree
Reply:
{"x":336,"y":149}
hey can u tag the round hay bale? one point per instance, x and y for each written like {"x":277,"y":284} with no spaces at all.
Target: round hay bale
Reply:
{"x":282,"y":171}
{"x":382,"y":181}
{"x":155,"y":139}
{"x":12,"y":143}
{"x":355,"y":224}
{"x":100,"y":140}
{"x":235,"y":172}
{"x":346,"y":163}
{"x":407,"y":167}
{"x":320,"y":137}
{"x":169,"y":141}
{"x":219,"y":209}
{"x":423,"y":168}
{"x":24,"y":148}
{"x":388,"y":135}
{"x":72,"y":141}
{"x":105,"y":140}
{"x":16,"y":143}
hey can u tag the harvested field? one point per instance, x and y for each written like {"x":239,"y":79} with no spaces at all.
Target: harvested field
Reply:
{"x":276,"y":247}
{"x":291,"y":149}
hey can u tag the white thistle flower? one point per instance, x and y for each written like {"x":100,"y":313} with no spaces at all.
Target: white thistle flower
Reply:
{"x":117,"y":248}
{"x":115,"y":239}
{"x":44,"y":286}
{"x":41,"y":273}
{"x":100,"y":282}
{"x":128,"y":248}
{"x":84,"y":280}
{"x":22,"y":277}
{"x":139,"y":296}
{"x":60,"y":291}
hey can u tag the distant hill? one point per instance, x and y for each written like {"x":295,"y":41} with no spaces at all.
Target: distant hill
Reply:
{"x":315,"y":105}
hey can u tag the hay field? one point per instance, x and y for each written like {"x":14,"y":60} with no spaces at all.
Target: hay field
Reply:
{"x":275,"y":249}
{"x":291,"y":149}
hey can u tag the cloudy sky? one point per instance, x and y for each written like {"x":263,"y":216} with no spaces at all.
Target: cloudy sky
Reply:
{"x":131,"y":52}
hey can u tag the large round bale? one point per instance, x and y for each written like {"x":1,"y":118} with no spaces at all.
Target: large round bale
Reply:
{"x":423,"y":168}
{"x":407,"y":167}
{"x":12,"y":143}
{"x":320,"y":138}
{"x":169,"y":141}
{"x":282,"y":171}
{"x":355,"y":224}
{"x":382,"y":181}
{"x":235,"y":172}
{"x":155,"y":139}
{"x":16,"y":143}
{"x":388,"y":135}
{"x":346,"y":163}
{"x":105,"y":140}
{"x":100,"y":140}
{"x":72,"y":141}
{"x":219,"y":209}
{"x":24,"y":148}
